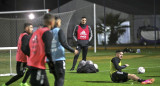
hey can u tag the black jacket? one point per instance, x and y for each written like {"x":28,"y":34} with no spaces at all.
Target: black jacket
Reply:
{"x":82,"y":42}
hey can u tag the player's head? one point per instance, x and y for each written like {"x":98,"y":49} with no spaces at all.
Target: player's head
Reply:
{"x":28,"y":27}
{"x":58,"y":22}
{"x":119,"y":54}
{"x":83,"y":20}
{"x":49,"y":20}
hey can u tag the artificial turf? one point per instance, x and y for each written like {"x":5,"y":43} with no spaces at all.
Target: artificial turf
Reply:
{"x":148,"y":58}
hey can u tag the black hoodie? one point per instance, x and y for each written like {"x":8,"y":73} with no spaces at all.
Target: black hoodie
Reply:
{"x":82,"y":42}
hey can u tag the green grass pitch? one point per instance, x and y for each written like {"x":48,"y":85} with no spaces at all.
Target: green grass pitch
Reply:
{"x":148,"y":58}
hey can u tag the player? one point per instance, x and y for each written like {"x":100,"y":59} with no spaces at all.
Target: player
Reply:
{"x":40,"y":45}
{"x":21,"y":58}
{"x":59,"y":42}
{"x":117,"y":75}
{"x":82,"y":35}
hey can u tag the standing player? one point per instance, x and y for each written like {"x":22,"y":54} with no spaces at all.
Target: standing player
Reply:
{"x":21,"y":58}
{"x":118,"y":76}
{"x":82,"y":35}
{"x":59,"y":42}
{"x":40,"y":45}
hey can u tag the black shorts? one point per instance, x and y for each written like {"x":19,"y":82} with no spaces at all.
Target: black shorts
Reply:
{"x":21,"y":67}
{"x":119,"y":77}
{"x":58,"y":69}
{"x":38,"y":77}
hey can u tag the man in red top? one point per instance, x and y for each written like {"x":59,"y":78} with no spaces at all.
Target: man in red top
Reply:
{"x":40,"y":45}
{"x":82,"y":34}
{"x":21,"y":58}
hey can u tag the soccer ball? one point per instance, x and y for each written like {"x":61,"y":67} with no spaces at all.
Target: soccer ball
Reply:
{"x":96,"y":66}
{"x":89,"y":62}
{"x":82,"y":63}
{"x":141,"y":70}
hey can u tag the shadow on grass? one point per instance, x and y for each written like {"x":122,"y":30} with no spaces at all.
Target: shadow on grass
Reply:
{"x":71,"y":72}
{"x":99,"y":81}
{"x":106,"y":82}
{"x":151,"y":76}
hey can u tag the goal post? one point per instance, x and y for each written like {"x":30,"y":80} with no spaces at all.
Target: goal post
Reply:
{"x":11,"y":27}
{"x":7,"y":62}
{"x":25,"y":11}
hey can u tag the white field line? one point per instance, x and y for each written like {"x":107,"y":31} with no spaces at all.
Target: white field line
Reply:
{"x":132,"y":68}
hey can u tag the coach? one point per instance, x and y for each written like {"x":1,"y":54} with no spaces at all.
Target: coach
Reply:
{"x":82,"y":34}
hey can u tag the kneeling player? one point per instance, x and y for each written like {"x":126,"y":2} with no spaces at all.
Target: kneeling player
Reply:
{"x":118,"y":76}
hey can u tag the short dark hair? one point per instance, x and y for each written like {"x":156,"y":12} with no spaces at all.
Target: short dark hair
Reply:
{"x":27,"y":24}
{"x":47,"y":18}
{"x":118,"y":51}
{"x":83,"y":17}
{"x":56,"y":18}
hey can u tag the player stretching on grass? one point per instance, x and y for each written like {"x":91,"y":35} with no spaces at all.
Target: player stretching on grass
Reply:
{"x":59,"y":42}
{"x":40,"y":45}
{"x":82,"y":35}
{"x":21,"y":58}
{"x":118,"y":76}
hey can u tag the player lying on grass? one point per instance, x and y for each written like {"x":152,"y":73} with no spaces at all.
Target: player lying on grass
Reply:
{"x":21,"y":57}
{"x":118,"y":76}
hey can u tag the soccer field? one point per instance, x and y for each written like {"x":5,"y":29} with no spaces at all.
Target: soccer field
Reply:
{"x":148,"y":58}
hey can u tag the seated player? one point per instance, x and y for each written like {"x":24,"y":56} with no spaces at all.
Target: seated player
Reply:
{"x":118,"y":76}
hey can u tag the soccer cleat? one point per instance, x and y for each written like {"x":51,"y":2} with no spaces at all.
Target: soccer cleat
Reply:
{"x":4,"y":85}
{"x":71,"y":69}
{"x":148,"y":81}
{"x":24,"y":84}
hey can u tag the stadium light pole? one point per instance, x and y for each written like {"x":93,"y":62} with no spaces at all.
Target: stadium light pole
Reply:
{"x":155,"y":23}
{"x":44,"y":4}
{"x":58,"y":6}
{"x":94,"y":10}
{"x":104,"y":23}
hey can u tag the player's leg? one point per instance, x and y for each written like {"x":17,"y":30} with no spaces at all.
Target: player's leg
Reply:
{"x":52,"y":70}
{"x":38,"y":78}
{"x":84,"y":52}
{"x":25,"y":78}
{"x":60,"y":73}
{"x":46,"y":83}
{"x":20,"y":73}
{"x":75,"y":58}
{"x":136,"y":78}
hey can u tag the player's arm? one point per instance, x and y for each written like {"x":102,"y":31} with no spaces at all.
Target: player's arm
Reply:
{"x":47,"y":39}
{"x":90,"y":33}
{"x":63,"y":41}
{"x":25,"y":45}
{"x":115,"y":62}
{"x":75,"y":33}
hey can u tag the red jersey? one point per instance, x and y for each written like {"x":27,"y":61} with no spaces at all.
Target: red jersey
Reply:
{"x":20,"y":56}
{"x":83,"y":34}
{"x":37,"y":49}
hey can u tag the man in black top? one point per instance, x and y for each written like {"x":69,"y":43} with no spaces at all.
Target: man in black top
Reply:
{"x":58,"y":46}
{"x":82,"y":34}
{"x":40,"y":48}
{"x":118,"y":76}
{"x":21,"y":57}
